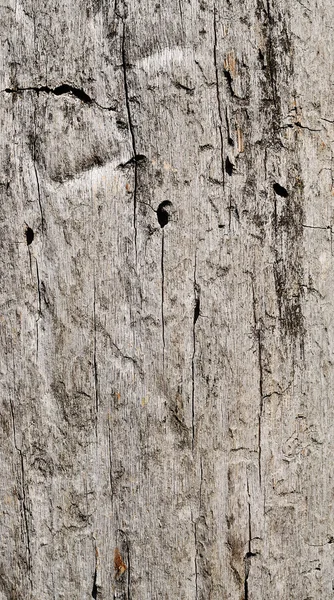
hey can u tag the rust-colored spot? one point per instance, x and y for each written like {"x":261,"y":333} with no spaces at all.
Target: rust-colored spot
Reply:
{"x":120,"y":567}
{"x":128,"y":188}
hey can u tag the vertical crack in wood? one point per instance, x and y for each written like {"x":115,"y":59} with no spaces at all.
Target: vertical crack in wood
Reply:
{"x":195,"y":317}
{"x":229,"y":135}
{"x":39,"y":290}
{"x":24,"y":506}
{"x":30,"y":265}
{"x":249,"y":554}
{"x":260,"y":363}
{"x":36,"y":175}
{"x":265,"y":164}
{"x":128,"y":579}
{"x":332,"y":173}
{"x":23,"y":498}
{"x":94,"y":591}
{"x":94,"y":352}
{"x":259,"y":438}
{"x":200,"y":485}
{"x":133,"y":140}
{"x":110,"y":463}
{"x":195,"y":555}
{"x":249,"y":520}
{"x":181,"y":16}
{"x":272,"y":70}
{"x":220,"y":127}
{"x":96,"y":581}
{"x":163,"y":298}
{"x":39,"y":307}
{"x":39,"y":196}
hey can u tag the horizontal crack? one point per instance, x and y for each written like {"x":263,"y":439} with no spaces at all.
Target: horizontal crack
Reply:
{"x":298,"y":124}
{"x":60,"y":90}
{"x":328,"y":227}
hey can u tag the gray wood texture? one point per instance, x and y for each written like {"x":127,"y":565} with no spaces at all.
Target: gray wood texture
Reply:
{"x":167,"y":283}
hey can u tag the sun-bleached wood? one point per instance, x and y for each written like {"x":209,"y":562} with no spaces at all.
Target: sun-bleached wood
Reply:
{"x":167,"y":325}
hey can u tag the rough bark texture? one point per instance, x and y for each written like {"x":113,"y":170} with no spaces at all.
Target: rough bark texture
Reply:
{"x":166,"y":300}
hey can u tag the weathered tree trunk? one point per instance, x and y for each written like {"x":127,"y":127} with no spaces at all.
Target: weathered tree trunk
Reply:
{"x":166,"y":313}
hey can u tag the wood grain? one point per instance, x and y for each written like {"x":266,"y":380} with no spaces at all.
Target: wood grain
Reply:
{"x":166,"y":300}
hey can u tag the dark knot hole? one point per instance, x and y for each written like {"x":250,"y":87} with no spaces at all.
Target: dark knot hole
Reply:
{"x":164,"y":213}
{"x":29,"y":235}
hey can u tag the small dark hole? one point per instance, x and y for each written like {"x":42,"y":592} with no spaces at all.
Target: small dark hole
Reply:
{"x":163,"y":213}
{"x":280,"y":190}
{"x":228,"y":166}
{"x":29,"y":236}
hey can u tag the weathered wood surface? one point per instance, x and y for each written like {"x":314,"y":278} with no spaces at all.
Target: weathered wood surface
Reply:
{"x":167,"y":392}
